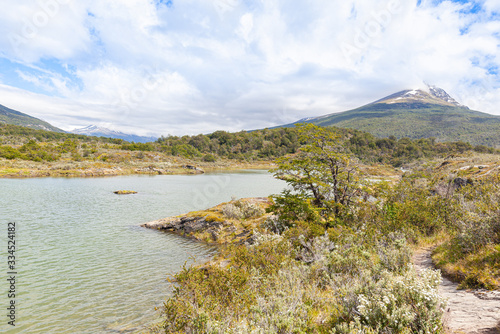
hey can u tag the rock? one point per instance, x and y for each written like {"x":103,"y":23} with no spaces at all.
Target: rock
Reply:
{"x":447,"y":189}
{"x":125,"y":192}
{"x":210,"y":225}
{"x":196,"y":169}
{"x":152,"y":170}
{"x":214,"y":235}
{"x":460,"y":182}
{"x":187,"y":226}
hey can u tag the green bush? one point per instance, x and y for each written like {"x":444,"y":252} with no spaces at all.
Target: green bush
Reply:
{"x":474,"y":235}
{"x":209,"y":158}
{"x":291,"y":207}
{"x":10,"y":153}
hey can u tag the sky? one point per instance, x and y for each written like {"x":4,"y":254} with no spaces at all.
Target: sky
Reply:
{"x":177,"y":67}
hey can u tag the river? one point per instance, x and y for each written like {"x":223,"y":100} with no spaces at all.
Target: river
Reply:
{"x":84,"y":265}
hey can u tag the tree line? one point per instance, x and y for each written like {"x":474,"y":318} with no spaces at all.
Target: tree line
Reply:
{"x":18,"y":142}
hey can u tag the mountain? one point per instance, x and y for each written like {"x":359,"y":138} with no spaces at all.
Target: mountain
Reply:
{"x":10,"y":116}
{"x":417,"y":114}
{"x":94,"y":130}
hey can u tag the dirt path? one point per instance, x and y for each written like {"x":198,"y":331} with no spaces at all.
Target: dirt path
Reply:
{"x":471,"y":312}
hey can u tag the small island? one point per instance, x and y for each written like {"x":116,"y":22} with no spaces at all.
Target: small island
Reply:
{"x":125,"y":192}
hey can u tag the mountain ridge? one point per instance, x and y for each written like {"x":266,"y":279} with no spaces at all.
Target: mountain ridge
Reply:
{"x":94,"y":130}
{"x":14,"y":117}
{"x":417,"y":113}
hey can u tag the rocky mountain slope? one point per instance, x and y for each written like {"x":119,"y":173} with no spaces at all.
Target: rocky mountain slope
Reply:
{"x":14,"y":117}
{"x":418,"y":113}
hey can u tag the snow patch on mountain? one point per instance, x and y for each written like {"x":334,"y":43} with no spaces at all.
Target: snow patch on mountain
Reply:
{"x":94,"y":130}
{"x":430,"y":94}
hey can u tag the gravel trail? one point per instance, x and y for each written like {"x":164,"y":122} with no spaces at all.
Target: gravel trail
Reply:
{"x":470,"y":312}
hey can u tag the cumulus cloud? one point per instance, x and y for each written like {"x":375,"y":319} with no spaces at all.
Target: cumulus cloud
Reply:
{"x":196,"y":66}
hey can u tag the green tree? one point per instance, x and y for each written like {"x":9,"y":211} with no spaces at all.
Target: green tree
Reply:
{"x":321,"y":170}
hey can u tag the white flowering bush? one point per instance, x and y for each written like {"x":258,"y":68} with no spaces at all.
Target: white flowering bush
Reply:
{"x":231,"y":211}
{"x":316,"y":250}
{"x":394,"y":303}
{"x":274,"y":224}
{"x":263,"y":238}
{"x":394,"y":252}
{"x":242,"y":210}
{"x":291,"y":283}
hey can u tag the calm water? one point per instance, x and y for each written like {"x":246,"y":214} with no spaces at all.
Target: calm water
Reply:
{"x":84,"y":265}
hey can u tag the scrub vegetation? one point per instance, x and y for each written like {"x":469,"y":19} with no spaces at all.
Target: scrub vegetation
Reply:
{"x":333,"y":254}
{"x":28,"y":152}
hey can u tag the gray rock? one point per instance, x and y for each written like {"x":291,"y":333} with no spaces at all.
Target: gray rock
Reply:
{"x":460,"y":182}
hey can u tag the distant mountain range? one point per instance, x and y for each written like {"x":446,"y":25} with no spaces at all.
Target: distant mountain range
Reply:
{"x":94,"y":130}
{"x":417,"y":114}
{"x":11,"y":116}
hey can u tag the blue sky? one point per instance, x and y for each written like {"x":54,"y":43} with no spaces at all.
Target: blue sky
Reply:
{"x":195,"y":66}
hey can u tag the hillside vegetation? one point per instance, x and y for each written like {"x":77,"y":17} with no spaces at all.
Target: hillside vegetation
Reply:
{"x":415,"y":121}
{"x":416,"y":114}
{"x":10,"y":116}
{"x":21,"y":143}
{"x":332,"y":255}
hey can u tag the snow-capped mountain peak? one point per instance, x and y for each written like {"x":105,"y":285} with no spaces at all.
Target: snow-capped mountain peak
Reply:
{"x":94,"y":130}
{"x":432,"y":94}
{"x":441,"y":94}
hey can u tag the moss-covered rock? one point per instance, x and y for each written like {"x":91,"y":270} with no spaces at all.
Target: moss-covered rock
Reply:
{"x":125,"y":192}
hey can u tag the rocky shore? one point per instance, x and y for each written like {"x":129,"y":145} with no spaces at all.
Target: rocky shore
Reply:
{"x":29,"y":169}
{"x":217,"y":225}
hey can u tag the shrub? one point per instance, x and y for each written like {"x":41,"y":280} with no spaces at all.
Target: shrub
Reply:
{"x":242,"y":210}
{"x":10,"y":153}
{"x":209,"y":158}
{"x":231,"y":211}
{"x":474,"y":235}
{"x":409,"y":207}
{"x":395,"y":304}
{"x":274,"y":224}
{"x":290,"y":207}
{"x":394,"y":252}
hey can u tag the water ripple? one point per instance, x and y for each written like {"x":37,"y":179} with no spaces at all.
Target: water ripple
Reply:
{"x":85,"y":266}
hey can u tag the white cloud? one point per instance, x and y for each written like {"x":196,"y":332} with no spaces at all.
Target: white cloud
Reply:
{"x":36,"y":29}
{"x":199,"y":65}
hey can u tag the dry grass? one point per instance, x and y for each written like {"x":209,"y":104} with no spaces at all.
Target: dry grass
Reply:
{"x":476,"y":270}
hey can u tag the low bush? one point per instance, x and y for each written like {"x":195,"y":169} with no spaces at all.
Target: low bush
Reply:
{"x":392,"y":303}
{"x":242,"y":210}
{"x":209,"y":158}
{"x":310,"y":286}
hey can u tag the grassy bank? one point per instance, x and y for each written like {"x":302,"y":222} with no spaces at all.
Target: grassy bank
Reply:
{"x":127,"y":164}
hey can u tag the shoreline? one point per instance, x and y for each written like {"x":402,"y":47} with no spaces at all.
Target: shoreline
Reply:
{"x":215,"y":226}
{"x":15,"y":169}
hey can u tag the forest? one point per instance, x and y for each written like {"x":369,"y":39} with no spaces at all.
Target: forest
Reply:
{"x":18,"y":142}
